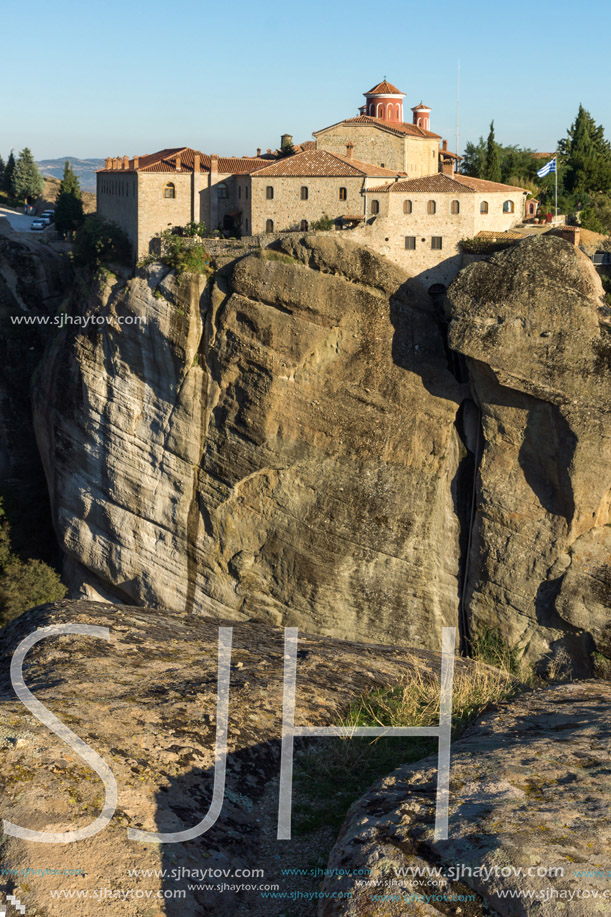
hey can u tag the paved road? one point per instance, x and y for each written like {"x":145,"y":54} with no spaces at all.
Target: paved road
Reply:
{"x":18,"y":220}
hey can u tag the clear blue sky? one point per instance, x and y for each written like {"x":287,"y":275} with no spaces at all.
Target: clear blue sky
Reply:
{"x":114,"y":78}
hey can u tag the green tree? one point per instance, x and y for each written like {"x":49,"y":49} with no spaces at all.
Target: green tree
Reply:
{"x":492,"y":166}
{"x":28,"y":183}
{"x":69,"y":205}
{"x":99,"y":241}
{"x":2,"y":170}
{"x":23,"y":583}
{"x":9,"y":174}
{"x":474,"y":159}
{"x":587,"y":156}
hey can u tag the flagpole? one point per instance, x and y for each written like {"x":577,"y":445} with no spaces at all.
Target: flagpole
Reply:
{"x":556,"y":187}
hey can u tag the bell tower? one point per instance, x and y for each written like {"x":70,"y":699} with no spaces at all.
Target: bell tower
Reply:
{"x":384,"y":101}
{"x":422,"y":116}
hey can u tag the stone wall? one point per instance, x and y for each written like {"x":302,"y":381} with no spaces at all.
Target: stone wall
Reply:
{"x":157,"y":212}
{"x":287,"y":210}
{"x":415,"y":156}
{"x":387,"y":233}
{"x":117,"y":200}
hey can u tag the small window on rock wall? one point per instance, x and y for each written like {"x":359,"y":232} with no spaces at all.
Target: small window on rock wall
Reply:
{"x":169,"y":190}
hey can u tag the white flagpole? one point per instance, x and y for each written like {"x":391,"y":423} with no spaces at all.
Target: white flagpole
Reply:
{"x":556,"y":187}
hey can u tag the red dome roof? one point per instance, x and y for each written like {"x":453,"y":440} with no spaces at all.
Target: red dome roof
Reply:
{"x":384,"y":88}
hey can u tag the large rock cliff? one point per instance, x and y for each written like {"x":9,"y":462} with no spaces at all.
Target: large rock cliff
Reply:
{"x":297,"y":441}
{"x":537,"y":335}
{"x":278,"y":444}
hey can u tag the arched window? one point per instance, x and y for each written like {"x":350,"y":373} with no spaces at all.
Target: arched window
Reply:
{"x":343,"y":194}
{"x":375,"y":206}
{"x":269,"y":193}
{"x":483,"y":207}
{"x":222,"y":191}
{"x":407,"y":207}
{"x":269,"y":226}
{"x":304,"y":193}
{"x":431,"y":207}
{"x":380,"y":110}
{"x":455,"y":207}
{"x":508,"y":207}
{"x":398,"y":110}
{"x":389,"y":112}
{"x":169,"y":189}
{"x":303,"y":226}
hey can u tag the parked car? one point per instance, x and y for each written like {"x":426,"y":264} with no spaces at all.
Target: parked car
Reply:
{"x":48,"y":214}
{"x":39,"y":223}
{"x":45,"y":218}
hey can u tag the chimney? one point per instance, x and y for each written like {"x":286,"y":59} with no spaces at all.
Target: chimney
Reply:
{"x":447,"y":167}
{"x":350,"y":150}
{"x":136,"y":162}
{"x":196,"y":163}
{"x":444,"y":145}
{"x":286,"y":142}
{"x":178,"y":164}
{"x":214,"y":163}
{"x":258,"y":151}
{"x":126,"y":162}
{"x":115,"y":163}
{"x":108,"y":163}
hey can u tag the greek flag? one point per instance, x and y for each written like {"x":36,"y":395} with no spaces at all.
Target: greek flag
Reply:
{"x":547,"y":168}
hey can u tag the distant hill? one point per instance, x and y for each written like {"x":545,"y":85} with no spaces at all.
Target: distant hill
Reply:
{"x":84,"y":169}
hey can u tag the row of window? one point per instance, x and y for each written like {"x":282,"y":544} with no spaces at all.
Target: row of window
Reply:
{"x":304,"y":193}
{"x":436,"y":242}
{"x":431,"y":207}
{"x":117,"y":186}
{"x":269,"y":226}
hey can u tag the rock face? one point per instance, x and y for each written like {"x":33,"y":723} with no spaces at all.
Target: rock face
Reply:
{"x":295,"y":441}
{"x":279,"y":445}
{"x":145,"y":700}
{"x":538,"y":338}
{"x":528,"y":819}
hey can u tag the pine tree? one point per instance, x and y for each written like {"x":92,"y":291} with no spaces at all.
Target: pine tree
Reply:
{"x":9,"y":175}
{"x":28,"y":182}
{"x":69,"y":205}
{"x":587,"y":156}
{"x":2,"y":169}
{"x":492,"y":167}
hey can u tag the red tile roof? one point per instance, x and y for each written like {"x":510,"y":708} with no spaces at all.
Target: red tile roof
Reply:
{"x":395,"y":127}
{"x":166,"y":161}
{"x":383,"y":88}
{"x":323,"y":163}
{"x":421,"y":107}
{"x":451,"y":184}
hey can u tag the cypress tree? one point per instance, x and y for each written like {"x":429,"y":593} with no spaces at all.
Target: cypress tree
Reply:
{"x":28,"y":183}
{"x":492,"y":166}
{"x":69,"y":205}
{"x":587,"y":156}
{"x":2,"y":169}
{"x":9,"y":174}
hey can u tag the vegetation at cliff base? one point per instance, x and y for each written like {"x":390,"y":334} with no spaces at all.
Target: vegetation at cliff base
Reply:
{"x":23,"y":583}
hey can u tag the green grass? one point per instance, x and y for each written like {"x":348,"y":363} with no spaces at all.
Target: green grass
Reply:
{"x":330,"y":774}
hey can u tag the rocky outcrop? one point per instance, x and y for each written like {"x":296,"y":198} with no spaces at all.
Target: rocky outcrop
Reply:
{"x":537,"y":335}
{"x":145,"y":700}
{"x":278,"y":444}
{"x":296,"y":440}
{"x":528,"y":820}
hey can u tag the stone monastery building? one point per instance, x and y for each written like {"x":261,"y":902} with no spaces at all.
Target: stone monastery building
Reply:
{"x":391,"y":182}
